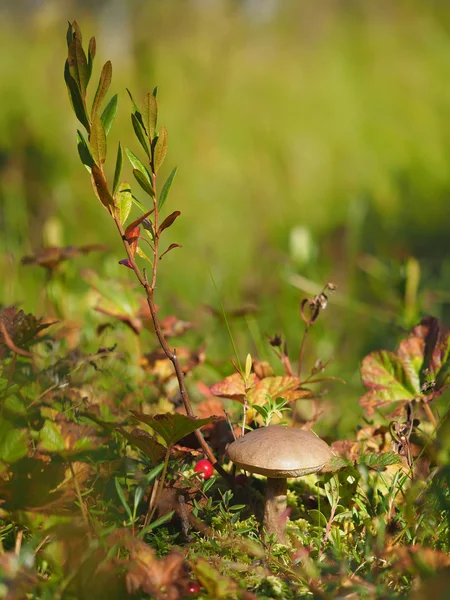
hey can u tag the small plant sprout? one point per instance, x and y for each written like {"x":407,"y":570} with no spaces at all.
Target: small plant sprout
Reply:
{"x":279,"y":452}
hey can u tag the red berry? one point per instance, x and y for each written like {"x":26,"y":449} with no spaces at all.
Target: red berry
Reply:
{"x":242,"y":479}
{"x":205,"y":468}
{"x":192,"y":588}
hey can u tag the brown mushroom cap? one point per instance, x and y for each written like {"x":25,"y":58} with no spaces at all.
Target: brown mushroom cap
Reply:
{"x":278,"y":451}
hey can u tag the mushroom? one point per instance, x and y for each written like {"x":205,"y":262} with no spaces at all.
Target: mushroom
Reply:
{"x":279,"y":452}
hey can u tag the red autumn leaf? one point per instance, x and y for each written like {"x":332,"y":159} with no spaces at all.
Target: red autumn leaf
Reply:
{"x":233,"y":387}
{"x":171,"y":247}
{"x":275,"y":387}
{"x":168,"y":221}
{"x":136,"y":223}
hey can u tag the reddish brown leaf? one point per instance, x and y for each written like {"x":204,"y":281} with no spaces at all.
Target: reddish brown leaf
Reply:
{"x":168,"y":221}
{"x":171,"y":247}
{"x":134,"y":224}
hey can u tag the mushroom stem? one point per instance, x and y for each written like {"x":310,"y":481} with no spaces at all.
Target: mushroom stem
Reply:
{"x":275,"y":508}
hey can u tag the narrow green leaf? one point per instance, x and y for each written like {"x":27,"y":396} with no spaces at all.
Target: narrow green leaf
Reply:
{"x":122,"y":498}
{"x":84,"y":152}
{"x":124,"y":200}
{"x":143,"y":182}
{"x":92,"y":49}
{"x":136,"y":164}
{"x":102,"y":89}
{"x":150,"y":114}
{"x":157,"y":523}
{"x":75,"y":98}
{"x":69,"y":34}
{"x":97,"y":141}
{"x":166,"y":188}
{"x":135,"y":108}
{"x":118,"y":169}
{"x":155,"y":91}
{"x":109,"y":114}
{"x":140,"y":134}
{"x":78,"y":66}
{"x":161,"y":148}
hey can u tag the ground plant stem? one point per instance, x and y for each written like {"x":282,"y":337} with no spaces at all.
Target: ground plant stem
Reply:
{"x":171,"y":354}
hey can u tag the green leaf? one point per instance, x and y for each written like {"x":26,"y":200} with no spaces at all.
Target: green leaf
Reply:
{"x":92,"y":49}
{"x":121,"y":495}
{"x":387,"y":378}
{"x":75,"y":98}
{"x":69,"y":34}
{"x":77,"y":31}
{"x":150,"y":114}
{"x":97,"y":141}
{"x":84,"y":152}
{"x":51,"y":439}
{"x":164,"y":519}
{"x":136,"y":164}
{"x":124,"y":200}
{"x":102,"y":89}
{"x":172,"y":427}
{"x":13,"y":442}
{"x":78,"y":67}
{"x":143,"y":182}
{"x":149,"y":445}
{"x":166,"y":188}
{"x":135,"y":108}
{"x":218,"y":586}
{"x":109,"y":114}
{"x":374,"y":460}
{"x":161,"y":148}
{"x":118,"y":169}
{"x":140,"y":134}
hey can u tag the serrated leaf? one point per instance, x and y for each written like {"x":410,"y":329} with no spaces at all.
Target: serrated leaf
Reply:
{"x":387,"y":378}
{"x":75,"y":98}
{"x":161,"y":148}
{"x":233,"y":387}
{"x":166,"y":188}
{"x":172,"y":427}
{"x":374,"y":460}
{"x":150,"y":114}
{"x":109,"y":114}
{"x":51,"y":438}
{"x":143,"y":182}
{"x":124,"y":200}
{"x":84,"y":152}
{"x":102,"y":88}
{"x":13,"y":442}
{"x":140,"y":134}
{"x":168,"y":221}
{"x":97,"y":141}
{"x":78,"y":67}
{"x":118,"y":168}
{"x":101,"y":188}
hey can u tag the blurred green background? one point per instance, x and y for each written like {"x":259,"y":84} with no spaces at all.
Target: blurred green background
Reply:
{"x":312,"y":142}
